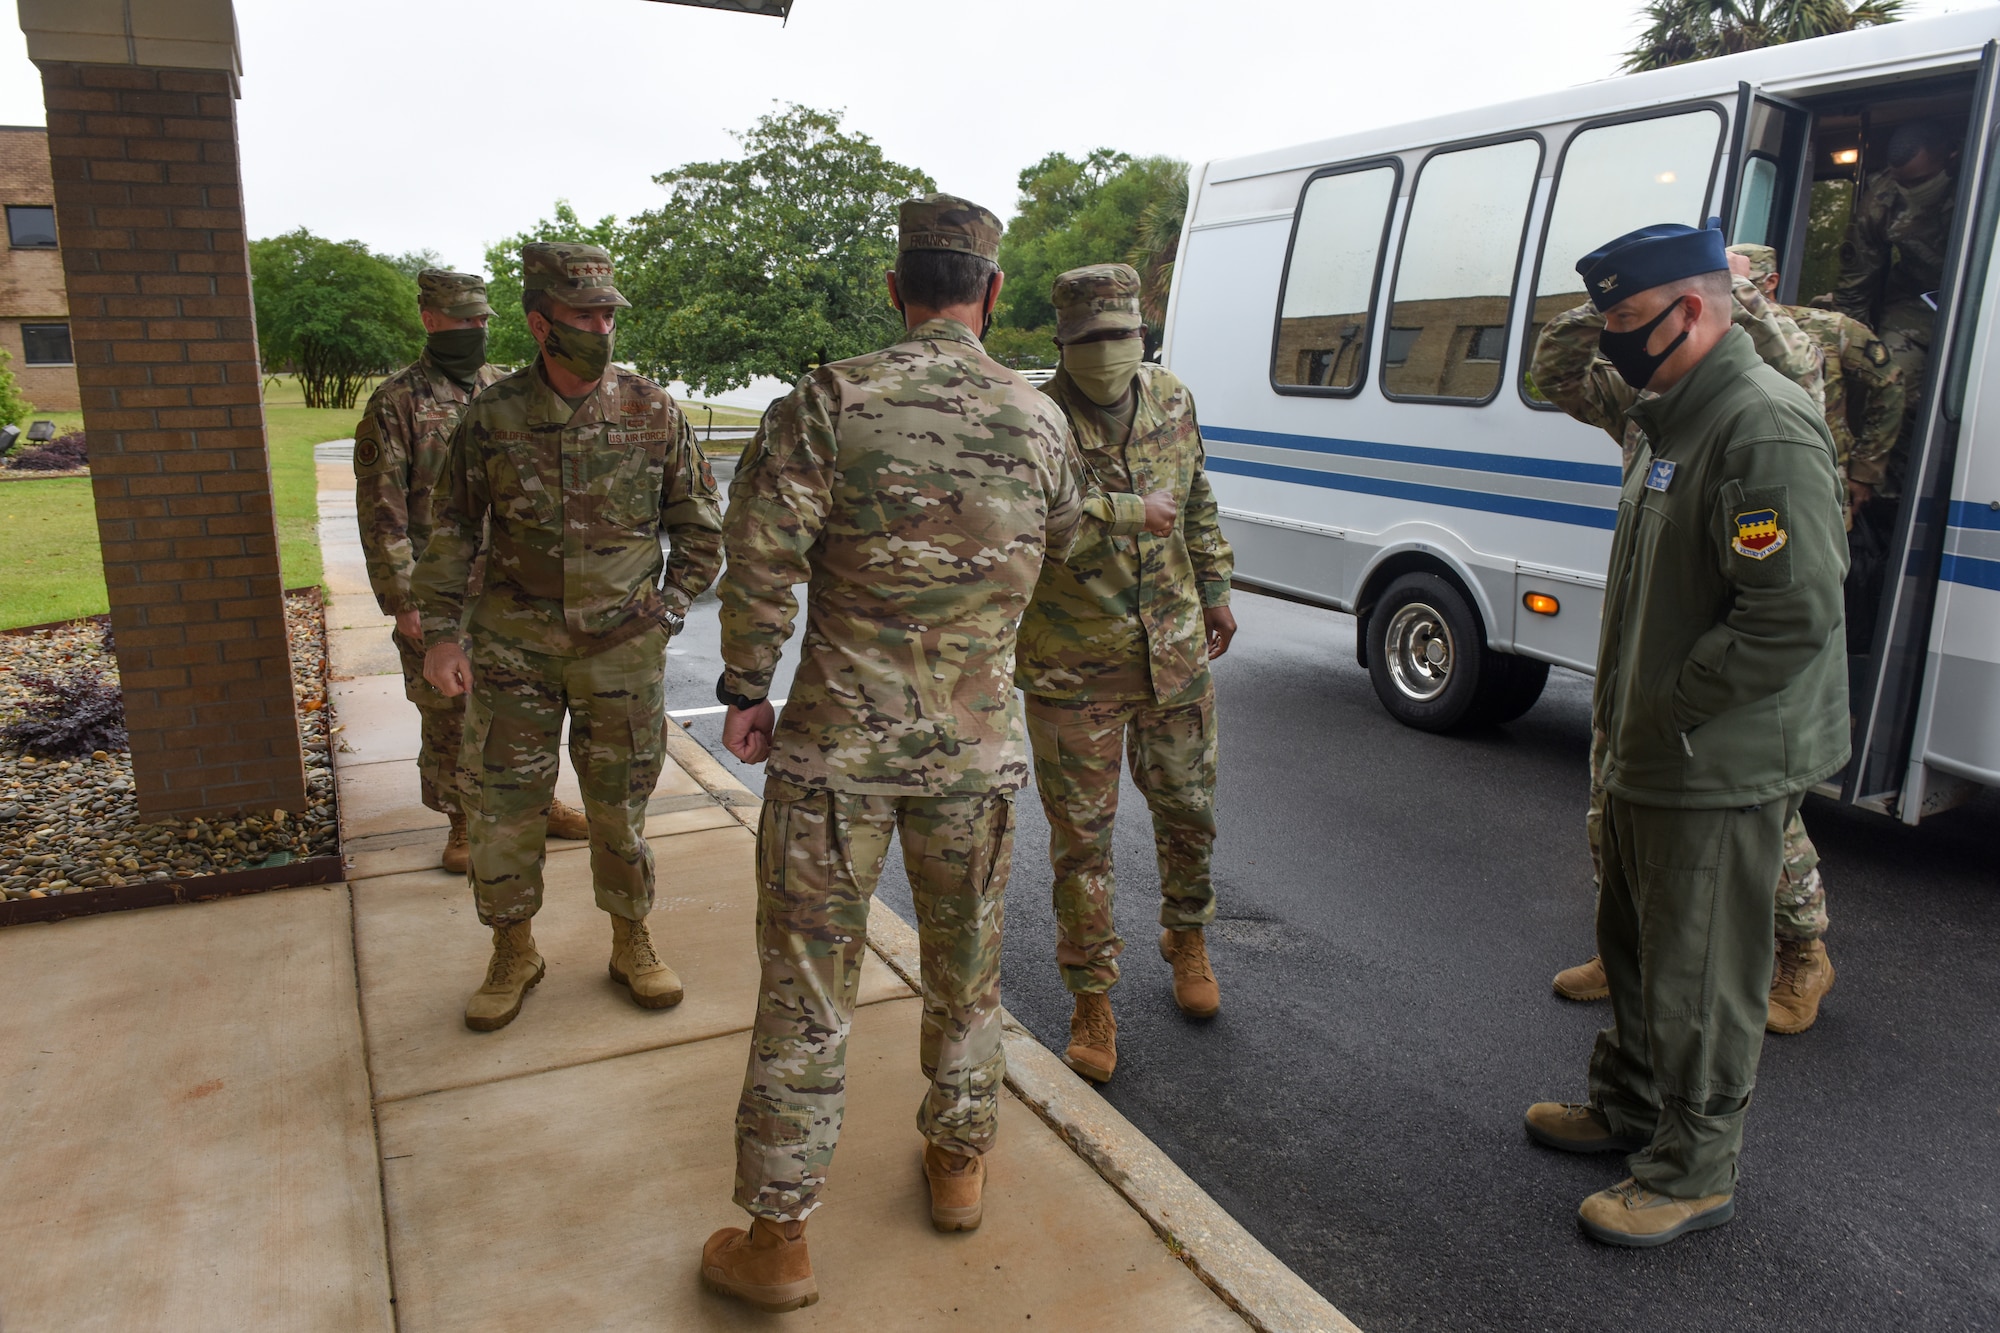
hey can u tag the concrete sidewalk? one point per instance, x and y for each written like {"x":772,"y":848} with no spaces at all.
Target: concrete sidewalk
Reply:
{"x":267,"y":1113}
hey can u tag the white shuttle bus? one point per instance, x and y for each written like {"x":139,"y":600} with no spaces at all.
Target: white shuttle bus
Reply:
{"x":1356,"y":317}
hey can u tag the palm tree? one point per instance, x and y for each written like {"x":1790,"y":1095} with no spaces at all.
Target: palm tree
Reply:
{"x":1678,"y":31}
{"x":1154,"y":248}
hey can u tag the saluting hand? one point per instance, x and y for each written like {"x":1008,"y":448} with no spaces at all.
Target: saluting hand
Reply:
{"x":447,"y":667}
{"x":746,"y":732}
{"x":1161,"y":513}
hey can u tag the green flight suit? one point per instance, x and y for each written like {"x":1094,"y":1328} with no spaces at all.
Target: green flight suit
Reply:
{"x":1722,"y":691}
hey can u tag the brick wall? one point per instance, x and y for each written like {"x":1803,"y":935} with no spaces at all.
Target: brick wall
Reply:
{"x":149,"y":209}
{"x":31,"y":281}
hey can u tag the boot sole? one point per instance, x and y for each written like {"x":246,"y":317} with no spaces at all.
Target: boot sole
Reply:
{"x":1189,"y":1010}
{"x":958,"y":1219}
{"x":1095,"y":1073}
{"x":495,"y":1024}
{"x":1548,"y":1140}
{"x":1714,"y":1217}
{"x":647,"y":1001}
{"x":1584,"y":996}
{"x":771,"y":1300}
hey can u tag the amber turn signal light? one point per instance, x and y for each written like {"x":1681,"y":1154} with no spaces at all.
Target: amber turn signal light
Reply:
{"x":1541,"y":603}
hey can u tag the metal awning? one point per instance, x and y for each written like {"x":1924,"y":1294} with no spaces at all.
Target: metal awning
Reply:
{"x":777,"y":9}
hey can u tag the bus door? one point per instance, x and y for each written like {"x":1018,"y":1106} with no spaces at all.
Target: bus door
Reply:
{"x":1884,"y":687}
{"x":1768,"y":170}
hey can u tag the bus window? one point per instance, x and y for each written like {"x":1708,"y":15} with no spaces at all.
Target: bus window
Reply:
{"x":1330,"y":280}
{"x":1456,"y":274}
{"x":1614,"y":179}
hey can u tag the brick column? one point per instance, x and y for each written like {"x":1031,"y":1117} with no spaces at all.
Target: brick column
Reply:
{"x":149,"y":213}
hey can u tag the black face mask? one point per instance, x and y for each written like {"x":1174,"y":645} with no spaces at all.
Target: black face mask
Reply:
{"x":1627,"y":351}
{"x":459,"y":353}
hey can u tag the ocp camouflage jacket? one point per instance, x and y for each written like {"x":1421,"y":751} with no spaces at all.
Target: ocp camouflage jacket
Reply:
{"x":1119,"y":617}
{"x":577,"y":503}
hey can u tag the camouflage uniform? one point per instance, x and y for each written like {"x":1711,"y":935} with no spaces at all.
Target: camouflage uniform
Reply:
{"x":1854,"y":358}
{"x":1895,"y":251}
{"x":574,"y":614}
{"x":916,"y":491}
{"x":1114,"y":653}
{"x":399,"y":452}
{"x":1571,"y":374}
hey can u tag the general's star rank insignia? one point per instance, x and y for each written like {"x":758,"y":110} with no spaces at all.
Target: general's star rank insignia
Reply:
{"x":1660,"y":475}
{"x":1758,"y":534}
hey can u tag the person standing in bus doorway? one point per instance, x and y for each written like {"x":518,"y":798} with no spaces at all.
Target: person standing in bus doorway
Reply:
{"x":399,"y":452}
{"x":1573,"y":375}
{"x":1721,"y":689}
{"x":1114,"y":659}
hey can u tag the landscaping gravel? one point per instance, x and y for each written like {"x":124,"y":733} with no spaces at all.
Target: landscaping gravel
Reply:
{"x":72,"y":826}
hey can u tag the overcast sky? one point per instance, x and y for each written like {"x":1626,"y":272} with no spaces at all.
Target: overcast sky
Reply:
{"x":445,"y":124}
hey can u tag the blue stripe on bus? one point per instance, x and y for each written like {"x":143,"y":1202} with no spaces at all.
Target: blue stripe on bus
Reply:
{"x":1597,"y":474}
{"x":1973,"y":573}
{"x":1967,"y":514}
{"x":1552,"y":511}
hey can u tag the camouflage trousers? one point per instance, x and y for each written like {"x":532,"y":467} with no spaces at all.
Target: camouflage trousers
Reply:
{"x":1173,"y":753}
{"x":1799,"y":902}
{"x":616,"y":704}
{"x":819,"y":854}
{"x":1905,"y":331}
{"x":443,"y":734}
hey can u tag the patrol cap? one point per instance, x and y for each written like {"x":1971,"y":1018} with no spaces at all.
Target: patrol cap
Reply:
{"x":947,"y":222}
{"x":570,"y":272}
{"x":1763,"y":259}
{"x":1650,"y":257}
{"x":455,"y":295}
{"x":1097,"y":299}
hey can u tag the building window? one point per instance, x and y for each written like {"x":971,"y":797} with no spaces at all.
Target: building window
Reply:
{"x":1396,"y":348}
{"x":31,"y":226}
{"x":1613,"y":179}
{"x":1330,"y":279}
{"x":1487,"y":343}
{"x":1461,"y":248}
{"x":46,"y":345}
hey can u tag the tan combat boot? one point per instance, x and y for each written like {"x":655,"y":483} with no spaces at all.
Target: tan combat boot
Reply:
{"x":566,"y":821}
{"x":1576,"y":1127}
{"x":636,"y":967}
{"x":1195,"y":990}
{"x":515,"y":967}
{"x":1585,"y":981}
{"x":957,"y":1184}
{"x":767,"y":1266}
{"x":1803,"y":976}
{"x":1630,"y":1214}
{"x":457,"y":845}
{"x":1093,"y":1038}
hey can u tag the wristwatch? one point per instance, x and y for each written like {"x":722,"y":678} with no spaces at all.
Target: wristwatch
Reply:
{"x":723,"y":695}
{"x":674,"y":621}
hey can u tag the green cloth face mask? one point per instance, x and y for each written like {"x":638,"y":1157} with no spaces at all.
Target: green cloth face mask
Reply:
{"x":459,"y":353}
{"x":579,"y":351}
{"x":1104,"y":370}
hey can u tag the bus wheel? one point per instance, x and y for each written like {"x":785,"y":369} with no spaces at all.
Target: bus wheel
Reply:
{"x":1424,"y":651}
{"x":1509,"y":685}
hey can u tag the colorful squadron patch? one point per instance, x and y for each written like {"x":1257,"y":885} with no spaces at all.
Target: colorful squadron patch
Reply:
{"x":1758,"y":534}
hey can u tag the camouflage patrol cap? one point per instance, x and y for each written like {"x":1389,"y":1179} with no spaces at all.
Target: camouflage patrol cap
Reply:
{"x":570,"y":272}
{"x":947,"y":222}
{"x":455,"y":295}
{"x":1099,"y":299}
{"x":1763,"y":259}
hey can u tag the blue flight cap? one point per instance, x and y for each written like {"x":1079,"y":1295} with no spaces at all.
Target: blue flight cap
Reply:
{"x":1662,"y":253}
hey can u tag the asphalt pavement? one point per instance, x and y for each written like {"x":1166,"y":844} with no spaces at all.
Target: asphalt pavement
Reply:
{"x":1392,"y":907}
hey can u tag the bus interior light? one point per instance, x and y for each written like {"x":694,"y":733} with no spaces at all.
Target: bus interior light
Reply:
{"x":1541,"y":603}
{"x":1846,"y":157}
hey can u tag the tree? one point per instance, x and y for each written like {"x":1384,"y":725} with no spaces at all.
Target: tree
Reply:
{"x":13,"y":405}
{"x":508,"y":341}
{"x":1106,"y":208}
{"x":412,"y":262}
{"x":769,"y":264}
{"x":332,"y":312}
{"x":1678,"y":31}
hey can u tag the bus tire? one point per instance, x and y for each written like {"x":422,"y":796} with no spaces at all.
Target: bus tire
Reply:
{"x":1509,"y":685}
{"x":1425,"y":651}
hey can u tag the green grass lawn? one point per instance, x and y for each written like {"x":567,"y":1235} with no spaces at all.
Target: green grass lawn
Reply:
{"x":53,"y":569}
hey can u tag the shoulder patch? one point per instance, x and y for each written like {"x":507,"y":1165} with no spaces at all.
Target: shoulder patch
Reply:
{"x":367,"y":453}
{"x":1758,"y":534}
{"x":1877,"y":354}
